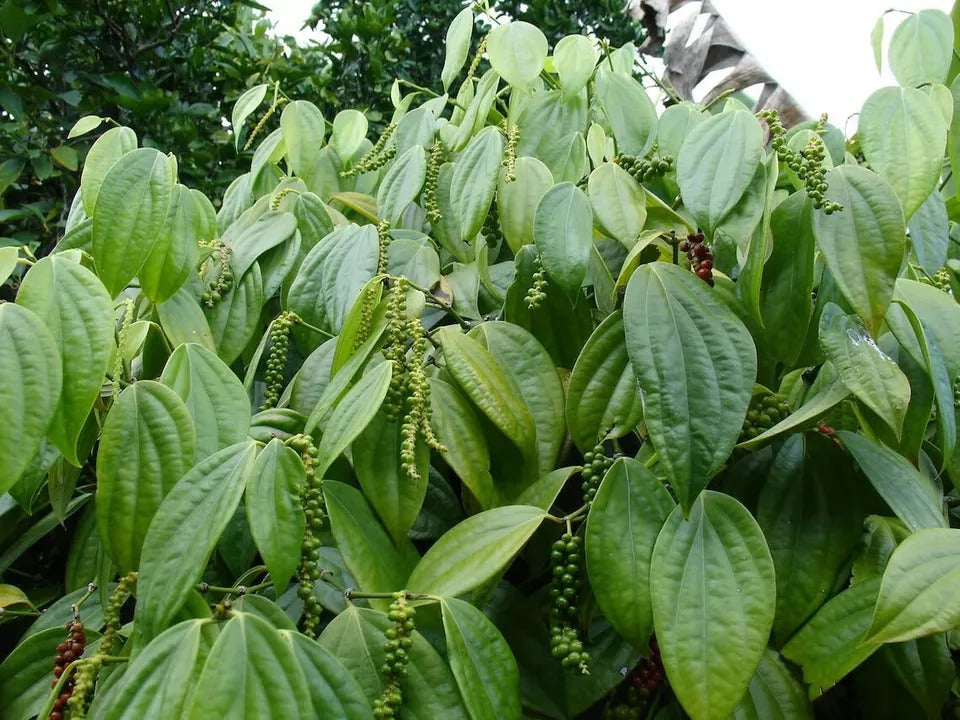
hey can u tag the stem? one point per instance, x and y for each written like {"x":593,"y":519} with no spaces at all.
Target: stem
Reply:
{"x":429,"y":92}
{"x":350,"y":594}
{"x":950,"y":171}
{"x":250,"y":574}
{"x":238,"y":590}
{"x":19,"y":613}
{"x":440,"y":304}
{"x":91,"y":588}
{"x":327,"y":577}
{"x":314,"y":328}
{"x":651,"y":461}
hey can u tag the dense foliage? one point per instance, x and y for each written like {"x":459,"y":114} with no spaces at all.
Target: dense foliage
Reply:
{"x":538,"y":405}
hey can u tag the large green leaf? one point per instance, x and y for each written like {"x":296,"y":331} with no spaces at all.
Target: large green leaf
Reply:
{"x":457,"y":46}
{"x":773,"y":694}
{"x":274,"y":514}
{"x":248,"y":243}
{"x":873,"y":378}
{"x":214,"y":396}
{"x":475,"y":551}
{"x":863,"y":245}
{"x":146,"y":446}
{"x":174,"y":257}
{"x":716,"y":164}
{"x":481,"y":661}
{"x":303,"y":128}
{"x":903,"y":136}
{"x":129,"y":215}
{"x":109,"y":147}
{"x":517,"y":201}
{"x":696,"y":366}
{"x":332,"y":275}
{"x":563,"y":233}
{"x":918,"y":590}
{"x":930,"y":233}
{"x":921,"y":48}
{"x":625,"y":519}
{"x":30,"y":391}
{"x":912,"y":496}
{"x":517,"y":51}
{"x":76,"y":309}
{"x":185,"y":531}
{"x":333,"y":690}
{"x":474,"y":181}
{"x":713,"y":591}
{"x":629,"y":111}
{"x":234,"y":320}
{"x":603,"y":397}
{"x":401,"y":184}
{"x":183,"y":321}
{"x":831,"y":644}
{"x":619,"y":203}
{"x":248,"y":102}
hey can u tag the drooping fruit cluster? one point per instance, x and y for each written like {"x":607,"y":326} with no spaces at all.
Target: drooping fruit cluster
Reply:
{"x":648,"y":676}
{"x":538,"y":290}
{"x":765,"y":411}
{"x":277,"y":357}
{"x":278,"y":100}
{"x":112,"y":615}
{"x":475,"y":62}
{"x":122,"y":335}
{"x":222,"y":279}
{"x":595,"y":466}
{"x":430,"y":202}
{"x":281,"y":194}
{"x":807,"y":164}
{"x":643,"y":169}
{"x":492,"y":232}
{"x":699,"y":255}
{"x":314,"y":509}
{"x":84,"y":679}
{"x":399,"y":641}
{"x":566,"y":559}
{"x":940,"y":280}
{"x":408,"y":398}
{"x":510,"y":156}
{"x":67,"y":651}
{"x":377,"y":156}
{"x":383,"y":242}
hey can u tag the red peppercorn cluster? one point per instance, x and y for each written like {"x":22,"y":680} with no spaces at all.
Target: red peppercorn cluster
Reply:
{"x":67,"y":652}
{"x":701,"y":260}
{"x":648,"y":676}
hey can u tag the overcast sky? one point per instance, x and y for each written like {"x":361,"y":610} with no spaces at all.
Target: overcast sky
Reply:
{"x":819,"y":50}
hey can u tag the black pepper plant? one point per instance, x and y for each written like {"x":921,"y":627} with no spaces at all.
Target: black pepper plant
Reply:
{"x":639,"y":415}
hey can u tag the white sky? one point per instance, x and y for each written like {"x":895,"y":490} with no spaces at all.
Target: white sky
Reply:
{"x":819,"y":50}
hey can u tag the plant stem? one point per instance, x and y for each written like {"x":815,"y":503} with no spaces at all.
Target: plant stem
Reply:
{"x":440,"y":304}
{"x":350,"y":594}
{"x":238,"y":590}
{"x":91,"y":588}
{"x":314,"y":328}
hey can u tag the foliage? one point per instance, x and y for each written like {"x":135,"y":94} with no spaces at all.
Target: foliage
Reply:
{"x":466,"y":421}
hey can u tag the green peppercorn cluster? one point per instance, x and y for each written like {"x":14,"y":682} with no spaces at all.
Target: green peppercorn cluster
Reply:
{"x":399,"y":641}
{"x":277,"y":357}
{"x":699,"y":255}
{"x":278,"y":198}
{"x":492,"y":232}
{"x":631,"y":707}
{"x":258,"y":128}
{"x":510,"y":156}
{"x":222,"y":279}
{"x":368,"y":305}
{"x":378,"y":156}
{"x":396,"y":347}
{"x":765,"y":411}
{"x":940,"y":280}
{"x":475,"y":62}
{"x":314,"y":510}
{"x":595,"y":466}
{"x":112,"y":614}
{"x":121,"y":341}
{"x":84,"y":679}
{"x":643,"y":169}
{"x":383,"y":242}
{"x":538,"y":290}
{"x":807,"y":164}
{"x":566,"y":558}
{"x":69,"y":650}
{"x":430,"y":202}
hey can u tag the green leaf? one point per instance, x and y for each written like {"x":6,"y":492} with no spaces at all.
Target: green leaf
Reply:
{"x":174,"y":257}
{"x":629,"y":110}
{"x":246,"y":104}
{"x":712,"y":586}
{"x":457,"y":46}
{"x":30,"y":391}
{"x":871,"y":376}
{"x":85,"y":125}
{"x":863,"y":245}
{"x":475,"y":551}
{"x":832,"y":642}
{"x":303,"y":128}
{"x":416,"y":260}
{"x":457,"y":427}
{"x":146,"y":446}
{"x":903,"y":136}
{"x":9,"y":257}
{"x":65,"y":157}
{"x":75,"y":307}
{"x":696,"y":366}
{"x":474,"y":181}
{"x":912,"y":496}
{"x":517,"y":51}
{"x":481,"y":661}
{"x":930,"y":233}
{"x":349,"y":131}
{"x":109,"y":147}
{"x":234,"y":320}
{"x":876,"y":42}
{"x":249,"y":243}
{"x":574,"y":57}
{"x":183,"y":321}
{"x":352,"y":414}
{"x":517,"y":201}
{"x":401,"y":184}
{"x":332,"y":275}
{"x":274,"y":514}
{"x":619,"y":203}
{"x":603,"y":397}
{"x":129,"y":215}
{"x":251,"y":672}
{"x":918,"y":589}
{"x":716,"y":164}
{"x":185,"y":531}
{"x":12,"y":595}
{"x":333,"y":691}
{"x":491,"y":388}
{"x":214,"y":396}
{"x":773,"y":694}
{"x":625,"y":519}
{"x":563,"y":233}
{"x":921,"y":48}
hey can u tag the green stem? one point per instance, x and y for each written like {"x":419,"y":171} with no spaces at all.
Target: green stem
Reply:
{"x":91,"y":588}
{"x":250,"y":574}
{"x":314,"y":328}
{"x":351,"y":594}
{"x":239,"y":590}
{"x":19,"y":613}
{"x":441,"y":305}
{"x":651,"y":461}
